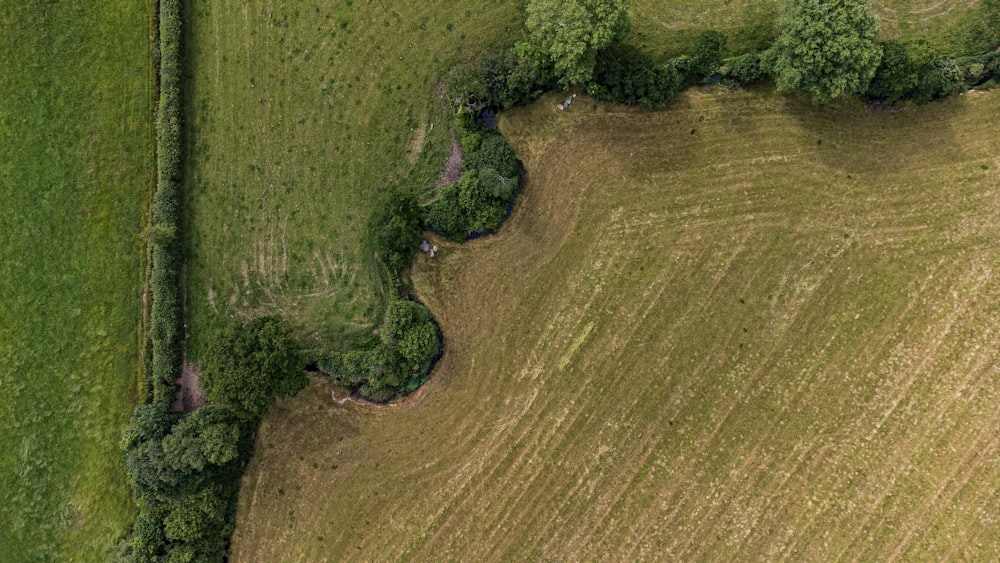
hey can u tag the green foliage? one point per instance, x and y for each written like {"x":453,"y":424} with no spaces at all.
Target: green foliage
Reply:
{"x":199,"y":519}
{"x":249,"y":367}
{"x":478,"y":202}
{"x":394,"y":231}
{"x":510,"y":79}
{"x":915,"y":71}
{"x":632,"y":78}
{"x":897,"y":75}
{"x":410,"y":342}
{"x":706,"y":57}
{"x":493,"y":152}
{"x":825,"y":48}
{"x":165,"y":312}
{"x":209,"y":435}
{"x":184,"y":476}
{"x":566,"y":35}
{"x":744,"y":69}
{"x":410,"y":328}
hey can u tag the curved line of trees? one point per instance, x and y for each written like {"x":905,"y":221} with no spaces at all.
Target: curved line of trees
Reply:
{"x":820,"y":48}
{"x":184,"y":468}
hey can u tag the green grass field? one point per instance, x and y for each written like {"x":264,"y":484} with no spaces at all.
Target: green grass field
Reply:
{"x":668,"y":27}
{"x":743,"y":327}
{"x":300,"y":119}
{"x":75,"y":172}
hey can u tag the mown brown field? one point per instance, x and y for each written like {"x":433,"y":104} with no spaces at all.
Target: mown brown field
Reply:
{"x":743,"y":327}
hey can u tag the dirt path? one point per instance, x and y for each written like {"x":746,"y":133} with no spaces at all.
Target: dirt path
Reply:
{"x":453,"y":167}
{"x":189,"y":394}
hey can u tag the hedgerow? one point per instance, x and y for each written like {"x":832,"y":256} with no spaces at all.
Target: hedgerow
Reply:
{"x":166,"y":311}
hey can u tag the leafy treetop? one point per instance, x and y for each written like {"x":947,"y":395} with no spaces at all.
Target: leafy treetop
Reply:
{"x":247,"y":368}
{"x":566,"y":35}
{"x":825,"y":48}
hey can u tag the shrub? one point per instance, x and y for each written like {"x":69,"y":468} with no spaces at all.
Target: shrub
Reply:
{"x":410,"y":328}
{"x":394,"y":231}
{"x":477,"y":203}
{"x":249,"y":367}
{"x":445,"y":215}
{"x":510,"y":79}
{"x":165,"y":311}
{"x":633,"y":78}
{"x":566,"y":35}
{"x":493,"y":152}
{"x":410,"y":342}
{"x":744,"y":69}
{"x":706,"y":57}
{"x":825,"y":48}
{"x":896,"y":76}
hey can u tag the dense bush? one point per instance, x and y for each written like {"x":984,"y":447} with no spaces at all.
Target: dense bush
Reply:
{"x":509,"y":79}
{"x":896,"y":76}
{"x":744,"y":69}
{"x":248,"y":367}
{"x":184,"y":471}
{"x":394,"y":231}
{"x":165,"y":311}
{"x":410,"y":328}
{"x":566,"y":35}
{"x":825,"y":48}
{"x":633,"y":78}
{"x":410,"y":342}
{"x":478,"y":202}
{"x":914,"y":71}
{"x":706,"y":57}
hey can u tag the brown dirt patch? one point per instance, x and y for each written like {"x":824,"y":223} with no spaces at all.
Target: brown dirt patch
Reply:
{"x":453,"y":167}
{"x":189,"y":394}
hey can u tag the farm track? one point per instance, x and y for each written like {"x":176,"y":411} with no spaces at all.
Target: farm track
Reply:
{"x":738,"y":328}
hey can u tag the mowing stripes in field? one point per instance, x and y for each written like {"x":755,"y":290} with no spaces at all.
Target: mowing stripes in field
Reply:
{"x":773,"y":338}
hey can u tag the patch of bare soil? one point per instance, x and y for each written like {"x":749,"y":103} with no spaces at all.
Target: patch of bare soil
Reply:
{"x":189,"y":394}
{"x":453,"y":168}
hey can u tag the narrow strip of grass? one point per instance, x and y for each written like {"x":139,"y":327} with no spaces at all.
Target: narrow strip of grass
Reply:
{"x":75,"y":165}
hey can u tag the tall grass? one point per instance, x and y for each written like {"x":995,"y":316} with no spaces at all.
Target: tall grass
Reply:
{"x":76,"y":164}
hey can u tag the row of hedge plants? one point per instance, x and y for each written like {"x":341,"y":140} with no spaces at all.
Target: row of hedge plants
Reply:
{"x":185,"y":468}
{"x":166,"y":310}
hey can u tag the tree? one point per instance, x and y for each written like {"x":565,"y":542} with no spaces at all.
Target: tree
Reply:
{"x":394,"y":231}
{"x":825,"y":48}
{"x":209,"y":435}
{"x":707,"y":56}
{"x":566,"y":35}
{"x":248,"y":367}
{"x":410,"y":327}
{"x":897,"y":74}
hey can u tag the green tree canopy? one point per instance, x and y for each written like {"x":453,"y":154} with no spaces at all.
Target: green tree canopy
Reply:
{"x":825,"y":48}
{"x":209,"y":435}
{"x":566,"y":35}
{"x":248,"y":367}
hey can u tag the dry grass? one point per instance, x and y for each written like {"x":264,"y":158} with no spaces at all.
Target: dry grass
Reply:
{"x":740,"y":328}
